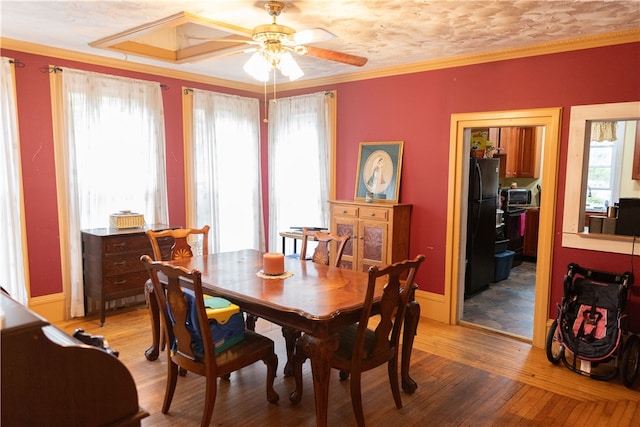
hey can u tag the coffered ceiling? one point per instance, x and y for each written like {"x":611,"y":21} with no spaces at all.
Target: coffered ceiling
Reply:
{"x":390,"y":33}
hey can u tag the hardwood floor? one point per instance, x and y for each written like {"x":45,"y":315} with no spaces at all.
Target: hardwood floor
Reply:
{"x":465,"y":376}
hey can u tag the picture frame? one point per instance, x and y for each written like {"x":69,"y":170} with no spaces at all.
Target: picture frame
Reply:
{"x":379,"y":169}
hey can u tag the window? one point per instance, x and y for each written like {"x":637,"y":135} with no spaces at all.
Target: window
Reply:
{"x":13,"y":274}
{"x":300,"y":137}
{"x":110,"y":156}
{"x":224,"y":151}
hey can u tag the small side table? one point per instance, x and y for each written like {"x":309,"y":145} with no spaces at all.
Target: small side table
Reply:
{"x":296,"y":235}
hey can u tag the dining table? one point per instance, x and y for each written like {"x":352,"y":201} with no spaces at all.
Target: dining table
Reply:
{"x":315,"y":299}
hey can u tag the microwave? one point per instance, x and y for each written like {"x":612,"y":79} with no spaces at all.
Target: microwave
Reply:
{"x":515,"y":196}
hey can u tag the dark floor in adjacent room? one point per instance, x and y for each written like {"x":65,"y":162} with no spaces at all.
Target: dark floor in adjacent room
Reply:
{"x":506,"y":305}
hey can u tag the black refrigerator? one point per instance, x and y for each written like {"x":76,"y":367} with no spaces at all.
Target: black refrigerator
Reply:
{"x":481,"y":224}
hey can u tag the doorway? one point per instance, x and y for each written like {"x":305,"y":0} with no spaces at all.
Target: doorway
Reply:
{"x":457,"y":204}
{"x":501,"y":250}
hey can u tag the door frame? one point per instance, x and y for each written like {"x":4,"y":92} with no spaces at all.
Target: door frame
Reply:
{"x":457,"y":206}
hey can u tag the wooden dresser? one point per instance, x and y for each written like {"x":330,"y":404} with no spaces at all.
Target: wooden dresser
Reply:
{"x":50,"y":378}
{"x":379,"y":232}
{"x":111,"y":262}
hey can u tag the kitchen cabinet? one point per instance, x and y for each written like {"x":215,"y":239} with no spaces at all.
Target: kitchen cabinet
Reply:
{"x":520,"y":147}
{"x":532,"y":220}
{"x":111,"y":262}
{"x":379,"y":232}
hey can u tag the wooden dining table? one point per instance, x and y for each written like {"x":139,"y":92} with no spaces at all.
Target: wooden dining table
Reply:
{"x":316,"y":299}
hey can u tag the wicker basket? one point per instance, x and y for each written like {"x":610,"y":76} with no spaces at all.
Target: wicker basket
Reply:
{"x":126,"y":220}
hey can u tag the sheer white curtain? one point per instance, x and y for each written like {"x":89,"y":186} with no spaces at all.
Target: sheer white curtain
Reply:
{"x":226,"y":159}
{"x":112,"y":157}
{"x":299,"y":148}
{"x":13,"y":276}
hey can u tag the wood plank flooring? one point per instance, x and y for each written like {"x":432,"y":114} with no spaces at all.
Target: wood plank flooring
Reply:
{"x":465,"y":376}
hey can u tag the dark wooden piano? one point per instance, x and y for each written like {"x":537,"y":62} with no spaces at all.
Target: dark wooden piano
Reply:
{"x":51,"y":379}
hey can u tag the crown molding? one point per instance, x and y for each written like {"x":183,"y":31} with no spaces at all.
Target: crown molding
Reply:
{"x":71,"y":55}
{"x":579,"y":43}
{"x":559,"y":46}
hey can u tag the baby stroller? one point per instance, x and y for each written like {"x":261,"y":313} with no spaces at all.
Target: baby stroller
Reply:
{"x":591,"y":327}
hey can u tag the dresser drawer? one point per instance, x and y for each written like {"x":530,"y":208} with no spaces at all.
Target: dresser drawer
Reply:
{"x":374,"y":213}
{"x":349,"y":211}
{"x":122,"y":283}
{"x":119,"y":263}
{"x":126,"y":244}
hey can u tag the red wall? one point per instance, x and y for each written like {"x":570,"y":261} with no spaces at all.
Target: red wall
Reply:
{"x":414,"y":108}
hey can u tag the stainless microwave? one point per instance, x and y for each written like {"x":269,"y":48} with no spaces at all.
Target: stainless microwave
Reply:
{"x":515,"y":196}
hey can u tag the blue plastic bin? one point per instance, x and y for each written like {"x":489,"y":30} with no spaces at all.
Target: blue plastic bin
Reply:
{"x":502,"y":265}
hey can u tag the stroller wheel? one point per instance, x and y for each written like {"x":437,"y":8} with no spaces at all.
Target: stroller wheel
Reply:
{"x":629,"y":361}
{"x":554,"y":349}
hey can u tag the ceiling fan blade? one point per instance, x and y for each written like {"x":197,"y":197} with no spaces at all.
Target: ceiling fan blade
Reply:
{"x":313,"y":35}
{"x":332,"y":55}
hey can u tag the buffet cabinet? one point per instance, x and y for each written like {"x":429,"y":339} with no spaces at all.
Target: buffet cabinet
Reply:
{"x":379,"y":232}
{"x":111,"y":262}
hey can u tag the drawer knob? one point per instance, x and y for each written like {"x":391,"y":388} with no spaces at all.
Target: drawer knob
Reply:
{"x":344,"y":211}
{"x":120,"y":263}
{"x":120,"y":244}
{"x":373,"y":214}
{"x":119,"y":282}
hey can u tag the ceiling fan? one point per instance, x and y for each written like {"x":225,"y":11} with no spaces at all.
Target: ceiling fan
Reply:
{"x":185,"y":37}
{"x":281,"y":35}
{"x":274,"y":44}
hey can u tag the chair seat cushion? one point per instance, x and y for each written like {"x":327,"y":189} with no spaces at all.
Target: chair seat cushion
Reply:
{"x":347,"y":336}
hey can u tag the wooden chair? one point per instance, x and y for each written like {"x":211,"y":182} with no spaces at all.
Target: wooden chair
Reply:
{"x":175,"y":312}
{"x":361,"y":348}
{"x":325,"y":241}
{"x":320,"y":256}
{"x":184,"y":242}
{"x":183,"y":239}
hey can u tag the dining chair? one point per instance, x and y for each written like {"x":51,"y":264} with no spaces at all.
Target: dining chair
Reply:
{"x":325,"y":241}
{"x":320,"y":256}
{"x":186,"y":241}
{"x":192,"y":346}
{"x":362,"y":348}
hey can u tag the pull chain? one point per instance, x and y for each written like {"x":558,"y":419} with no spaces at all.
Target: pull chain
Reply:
{"x":266,"y":111}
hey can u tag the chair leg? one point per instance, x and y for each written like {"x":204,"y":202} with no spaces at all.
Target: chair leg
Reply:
{"x":356,"y":398}
{"x":172,"y":379}
{"x":290,"y":337}
{"x":209,"y":400}
{"x":272,"y":366}
{"x":251,"y":322}
{"x":392,"y":368}
{"x":299,"y":356}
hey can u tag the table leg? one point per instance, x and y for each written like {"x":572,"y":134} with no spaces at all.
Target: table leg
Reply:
{"x":320,"y":351}
{"x":153,"y":352}
{"x":412,"y":316}
{"x":283,"y":243}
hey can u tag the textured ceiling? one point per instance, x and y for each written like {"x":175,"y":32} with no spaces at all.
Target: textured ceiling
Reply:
{"x":387,"y":32}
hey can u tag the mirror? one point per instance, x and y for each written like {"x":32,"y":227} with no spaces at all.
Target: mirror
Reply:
{"x":609,"y":165}
{"x":579,"y":189}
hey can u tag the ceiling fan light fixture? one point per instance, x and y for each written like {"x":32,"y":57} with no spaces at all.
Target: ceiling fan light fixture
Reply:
{"x":258,"y":67}
{"x":289,"y":67}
